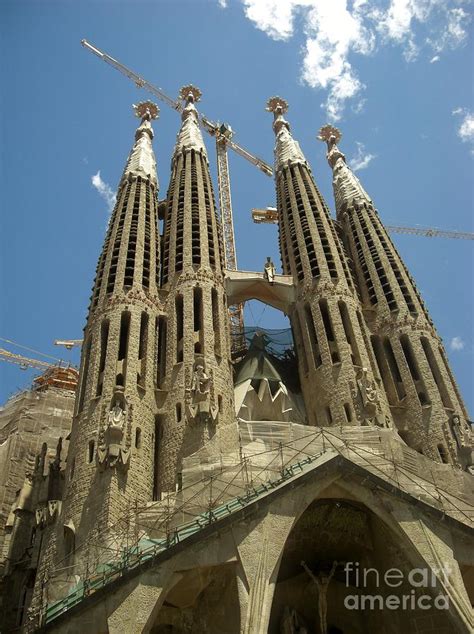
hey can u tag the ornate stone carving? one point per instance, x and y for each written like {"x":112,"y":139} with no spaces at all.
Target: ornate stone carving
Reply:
{"x":370,"y":410}
{"x":322,"y":581}
{"x":200,"y":400}
{"x":114,"y":435}
{"x":291,"y":622}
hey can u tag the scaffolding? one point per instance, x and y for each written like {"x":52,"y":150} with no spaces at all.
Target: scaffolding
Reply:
{"x":270,"y":456}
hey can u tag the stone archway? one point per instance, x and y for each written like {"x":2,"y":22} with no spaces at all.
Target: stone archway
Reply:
{"x":346,"y":550}
{"x":204,"y":600}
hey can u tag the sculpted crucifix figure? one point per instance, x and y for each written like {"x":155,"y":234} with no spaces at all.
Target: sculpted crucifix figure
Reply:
{"x":322,"y":581}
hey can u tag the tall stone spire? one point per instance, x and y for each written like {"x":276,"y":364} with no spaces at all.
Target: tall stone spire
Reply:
{"x":111,"y":452}
{"x":338,"y":378}
{"x":195,"y":378}
{"x":425,"y":401}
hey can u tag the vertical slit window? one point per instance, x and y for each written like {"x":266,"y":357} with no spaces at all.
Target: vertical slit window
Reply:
{"x":298,"y":325}
{"x":349,"y":332}
{"x":85,"y":374}
{"x":414,"y":370}
{"x":384,"y":371}
{"x":323,"y":305}
{"x":104,"y":338}
{"x":179,"y":328}
{"x":142,"y":349}
{"x":311,"y":330}
{"x":132,"y":237}
{"x":195,"y":221}
{"x":197,"y":312}
{"x":348,"y":413}
{"x":437,"y":376}
{"x":90,"y":451}
{"x":138,"y":438}
{"x":328,"y":416}
{"x":124,"y":332}
{"x":395,"y":372}
{"x":215,"y":322}
{"x":161,"y":349}
{"x":156,"y":462}
{"x":147,"y":241}
{"x":443,"y":454}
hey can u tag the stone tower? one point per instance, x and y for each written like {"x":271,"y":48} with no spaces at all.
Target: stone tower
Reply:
{"x":424,"y":399}
{"x":195,"y":375}
{"x":111,"y":452}
{"x":338,"y":374}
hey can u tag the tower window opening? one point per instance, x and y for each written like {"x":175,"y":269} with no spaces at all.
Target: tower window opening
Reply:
{"x":414,"y":370}
{"x":161,"y":349}
{"x":73,"y":469}
{"x":143,"y":348}
{"x":349,"y":332}
{"x":323,"y":305}
{"x":198,"y":319}
{"x":348,"y":413}
{"x":179,"y":413}
{"x":219,"y":403}
{"x":147,"y":242}
{"x":298,"y":326}
{"x":90,"y":451}
{"x":124,"y":333}
{"x":138,"y":438}
{"x":179,"y":328}
{"x":312,"y":336}
{"x":156,"y":462}
{"x":435,"y":371}
{"x":388,"y":380}
{"x":443,"y":454}
{"x":85,"y":374}
{"x":394,"y":370}
{"x":329,"y":415}
{"x":104,"y":337}
{"x":195,"y":220}
{"x":215,"y":322}
{"x":211,"y":219}
{"x":132,"y":237}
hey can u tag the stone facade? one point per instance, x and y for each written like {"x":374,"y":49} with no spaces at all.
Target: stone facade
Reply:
{"x":202,"y":495}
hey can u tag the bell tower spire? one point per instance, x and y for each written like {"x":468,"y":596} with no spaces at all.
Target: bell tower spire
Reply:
{"x":338,"y":378}
{"x":196,"y":379}
{"x":424,"y":398}
{"x":111,"y":451}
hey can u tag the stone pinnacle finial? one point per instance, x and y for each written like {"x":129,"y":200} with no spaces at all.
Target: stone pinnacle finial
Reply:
{"x":146,"y":110}
{"x":190,"y":94}
{"x":278,"y":106}
{"x":331,"y":135}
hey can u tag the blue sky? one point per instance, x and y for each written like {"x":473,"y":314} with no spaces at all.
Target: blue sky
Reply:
{"x":394,"y":75}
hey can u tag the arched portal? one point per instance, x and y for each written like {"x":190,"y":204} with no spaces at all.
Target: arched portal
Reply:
{"x":333,"y":576}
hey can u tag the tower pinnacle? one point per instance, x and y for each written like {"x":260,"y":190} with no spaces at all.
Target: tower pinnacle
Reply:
{"x":347,"y":187}
{"x":189,"y":136}
{"x":141,"y":161}
{"x":287,"y":150}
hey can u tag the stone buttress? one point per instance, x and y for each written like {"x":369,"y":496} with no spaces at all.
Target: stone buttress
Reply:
{"x":195,"y":377}
{"x":424,"y":399}
{"x":339,"y":382}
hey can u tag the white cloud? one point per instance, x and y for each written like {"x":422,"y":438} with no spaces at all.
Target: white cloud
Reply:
{"x":434,"y":59}
{"x":223,"y":4}
{"x":335,"y":30}
{"x":465,"y":130}
{"x":361,"y":159}
{"x":104,"y":190}
{"x":456,"y":343}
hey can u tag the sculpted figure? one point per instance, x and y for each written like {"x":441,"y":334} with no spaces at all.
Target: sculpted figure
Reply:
{"x":200,"y":385}
{"x":269,"y":270}
{"x":116,"y":416}
{"x":322,"y":581}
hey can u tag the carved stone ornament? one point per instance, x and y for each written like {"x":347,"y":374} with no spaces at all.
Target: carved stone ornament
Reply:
{"x":113,"y":446}
{"x":199,"y":393}
{"x":269,"y":270}
{"x":370,"y":400}
{"x":48,"y":513}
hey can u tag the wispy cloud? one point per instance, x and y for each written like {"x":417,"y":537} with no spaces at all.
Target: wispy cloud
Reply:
{"x":456,"y":344}
{"x":434,"y":59}
{"x":465,"y":129}
{"x":104,"y":190}
{"x":335,"y":30}
{"x":361,"y":159}
{"x":222,"y":3}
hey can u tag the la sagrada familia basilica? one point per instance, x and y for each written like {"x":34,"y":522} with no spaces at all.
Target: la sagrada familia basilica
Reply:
{"x":192,"y":485}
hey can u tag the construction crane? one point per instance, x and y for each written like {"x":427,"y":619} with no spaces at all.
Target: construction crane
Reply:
{"x":24,"y":362}
{"x":68,"y":343}
{"x":223,"y":134}
{"x":269,"y":215}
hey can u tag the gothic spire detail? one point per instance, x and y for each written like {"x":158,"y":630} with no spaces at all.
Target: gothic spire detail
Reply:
{"x":347,"y":187}
{"x":141,"y":161}
{"x":189,"y":137}
{"x":287,"y":150}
